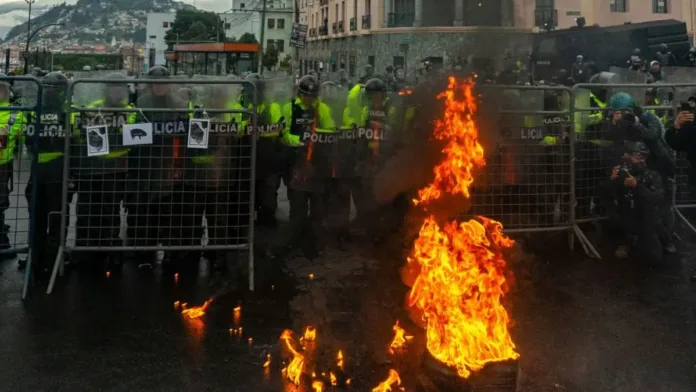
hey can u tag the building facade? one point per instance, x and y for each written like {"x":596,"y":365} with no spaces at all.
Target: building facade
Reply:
{"x":350,"y":34}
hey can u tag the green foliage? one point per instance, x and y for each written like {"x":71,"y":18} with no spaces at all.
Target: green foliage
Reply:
{"x":75,"y":62}
{"x":270,"y":58}
{"x":248,"y":38}
{"x":286,"y":63}
{"x":193,"y":25}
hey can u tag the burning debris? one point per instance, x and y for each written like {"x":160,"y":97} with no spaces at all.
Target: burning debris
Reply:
{"x":459,"y":268}
{"x":400,"y":339}
{"x":296,"y":367}
{"x":392,"y":381}
{"x":196,"y":312}
{"x":310,"y":334}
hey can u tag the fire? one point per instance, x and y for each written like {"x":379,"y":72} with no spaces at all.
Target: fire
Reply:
{"x":400,"y":338}
{"x":196,"y":311}
{"x":460,"y":266}
{"x":294,"y":370}
{"x":310,"y":334}
{"x":462,"y":151}
{"x":339,"y":359}
{"x":334,"y":380}
{"x":318,"y":386}
{"x":392,"y":380}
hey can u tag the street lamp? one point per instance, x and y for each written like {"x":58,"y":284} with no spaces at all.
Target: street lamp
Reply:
{"x":30,"y":36}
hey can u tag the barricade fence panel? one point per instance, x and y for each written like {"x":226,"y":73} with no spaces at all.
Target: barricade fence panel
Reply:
{"x":173,"y":172}
{"x":685,"y":197}
{"x":526,"y":182}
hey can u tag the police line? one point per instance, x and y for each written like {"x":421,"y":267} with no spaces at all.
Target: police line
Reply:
{"x":180,"y":127}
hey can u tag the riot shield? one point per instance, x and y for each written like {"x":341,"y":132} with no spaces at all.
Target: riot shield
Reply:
{"x":677,"y":75}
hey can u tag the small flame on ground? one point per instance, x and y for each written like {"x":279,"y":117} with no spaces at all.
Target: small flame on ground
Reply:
{"x":339,"y":359}
{"x":317,"y":386}
{"x":176,"y":277}
{"x":268,"y":361}
{"x":386,"y":385}
{"x":334,"y":380}
{"x":400,"y":338}
{"x":197,"y":311}
{"x":294,"y":370}
{"x":108,"y":274}
{"x":311,"y":276}
{"x":237,"y":315}
{"x":250,"y":340}
{"x":461,"y":269}
{"x":310,"y":334}
{"x":177,"y":305}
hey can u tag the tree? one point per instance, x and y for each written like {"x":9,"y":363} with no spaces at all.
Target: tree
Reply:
{"x":270,"y":58}
{"x":194,"y":25}
{"x":248,"y":38}
{"x":286,"y":63}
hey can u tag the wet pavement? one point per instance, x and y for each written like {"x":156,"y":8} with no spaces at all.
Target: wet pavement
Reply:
{"x":580,"y":324}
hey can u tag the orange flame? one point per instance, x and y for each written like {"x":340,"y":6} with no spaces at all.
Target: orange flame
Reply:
{"x":317,"y":386}
{"x":196,"y":311}
{"x":392,"y":380}
{"x":334,"y":380}
{"x":294,"y":370}
{"x":268,"y":361}
{"x":400,"y":338}
{"x":461,"y":277}
{"x":462,"y":150}
{"x":339,"y":359}
{"x":310,"y":334}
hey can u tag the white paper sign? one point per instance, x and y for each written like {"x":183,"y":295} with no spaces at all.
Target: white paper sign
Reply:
{"x":135,"y":134}
{"x":198,"y":133}
{"x":97,"y":140}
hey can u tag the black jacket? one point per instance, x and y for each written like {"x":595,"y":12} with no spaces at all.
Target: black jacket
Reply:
{"x":684,"y":140}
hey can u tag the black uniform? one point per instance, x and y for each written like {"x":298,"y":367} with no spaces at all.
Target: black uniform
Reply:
{"x":49,"y":174}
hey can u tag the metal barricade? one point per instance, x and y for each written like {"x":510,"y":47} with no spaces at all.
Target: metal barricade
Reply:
{"x":685,"y":193}
{"x":597,"y":149}
{"x":527,"y":181}
{"x":164,"y":176}
{"x":20,"y":116}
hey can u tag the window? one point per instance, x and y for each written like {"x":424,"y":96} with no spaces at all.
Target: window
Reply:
{"x":617,"y":6}
{"x":153,"y":37}
{"x":165,"y":25}
{"x":269,"y":43}
{"x":280,"y":23}
{"x":227,"y":26}
{"x":660,"y":7}
{"x":545,"y":4}
{"x":371,"y":61}
{"x":241,"y":5}
{"x":271,"y":23}
{"x":280,"y":45}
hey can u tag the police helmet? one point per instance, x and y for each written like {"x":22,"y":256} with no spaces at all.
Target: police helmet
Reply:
{"x":375,"y":85}
{"x":637,"y":148}
{"x":116,"y":76}
{"x":55,"y":79}
{"x":253,"y":76}
{"x":621,"y":101}
{"x":636,"y":52}
{"x":308,"y":85}
{"x":692,"y":50}
{"x":158,"y":72}
{"x":664,"y":47}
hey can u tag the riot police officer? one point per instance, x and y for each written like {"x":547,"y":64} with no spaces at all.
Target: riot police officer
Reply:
{"x":101,"y":180}
{"x":49,"y":174}
{"x":155,"y":172}
{"x":10,"y":132}
{"x":310,"y":131}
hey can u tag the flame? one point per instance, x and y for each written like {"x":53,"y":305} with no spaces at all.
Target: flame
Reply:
{"x":339,"y":359}
{"x":196,"y":311}
{"x":176,"y":277}
{"x":392,"y":380}
{"x":268,"y":361}
{"x":294,"y":370}
{"x":310,"y":334}
{"x":237,"y":315}
{"x":462,"y":151}
{"x":108,"y":274}
{"x":406,"y":91}
{"x":461,"y":270}
{"x":318,"y":386}
{"x":334,"y":380}
{"x":400,"y":338}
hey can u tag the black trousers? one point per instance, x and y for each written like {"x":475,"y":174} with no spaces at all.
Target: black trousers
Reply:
{"x":5,"y":178}
{"x":147,"y":213}
{"x":337,"y":201}
{"x":98,"y":209}
{"x":306,"y":218}
{"x":187,"y":216}
{"x":46,"y":216}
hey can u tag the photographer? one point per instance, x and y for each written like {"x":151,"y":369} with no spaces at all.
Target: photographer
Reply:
{"x":681,"y":136}
{"x":633,"y":195}
{"x":633,"y":124}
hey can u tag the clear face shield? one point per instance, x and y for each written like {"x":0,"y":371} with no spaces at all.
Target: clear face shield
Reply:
{"x":116,"y":93}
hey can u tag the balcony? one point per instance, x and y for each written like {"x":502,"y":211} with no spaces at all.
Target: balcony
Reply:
{"x":324,"y":30}
{"x":313,"y":32}
{"x":323,"y":2}
{"x":400,"y":20}
{"x":366,"y":25}
{"x":334,"y":28}
{"x":546,"y":18}
{"x":341,"y":27}
{"x":353,"y":24}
